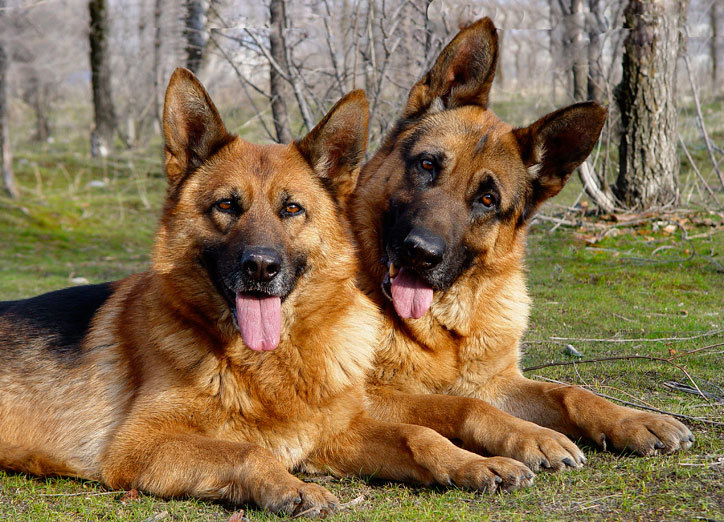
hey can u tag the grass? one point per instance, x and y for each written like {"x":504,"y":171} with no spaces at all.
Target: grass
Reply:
{"x":79,"y":218}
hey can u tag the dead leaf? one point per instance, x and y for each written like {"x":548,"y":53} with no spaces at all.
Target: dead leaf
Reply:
{"x":130,"y":496}
{"x":238,"y":517}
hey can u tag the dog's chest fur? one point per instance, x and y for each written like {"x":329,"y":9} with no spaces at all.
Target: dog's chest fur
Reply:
{"x":469,"y":336}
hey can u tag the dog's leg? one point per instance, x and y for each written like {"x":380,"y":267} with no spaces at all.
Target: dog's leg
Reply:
{"x":481,"y":428}
{"x":580,"y":413}
{"x":171,"y":465}
{"x":413,"y":453}
{"x":16,"y":458}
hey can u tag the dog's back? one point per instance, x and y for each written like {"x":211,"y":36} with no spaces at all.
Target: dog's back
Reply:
{"x":59,"y":381}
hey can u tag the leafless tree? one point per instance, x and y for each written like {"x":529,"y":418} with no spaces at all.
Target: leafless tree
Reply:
{"x":194,"y":32}
{"x":649,"y":164}
{"x":278,"y":85}
{"x":105,"y":118}
{"x":716,"y":21}
{"x":6,"y":163}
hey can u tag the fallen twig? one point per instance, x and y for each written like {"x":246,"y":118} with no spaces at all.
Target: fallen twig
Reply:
{"x":672,"y":385}
{"x":627,"y":403}
{"x":667,"y":360}
{"x":638,"y":340}
{"x":82,"y":493}
{"x":620,"y":358}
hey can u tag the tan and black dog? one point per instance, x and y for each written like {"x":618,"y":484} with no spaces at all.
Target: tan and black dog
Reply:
{"x":440,"y":214}
{"x":240,"y":355}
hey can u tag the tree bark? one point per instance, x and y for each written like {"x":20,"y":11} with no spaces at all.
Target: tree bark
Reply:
{"x":104,"y":114}
{"x":648,"y":162}
{"x":194,"y":32}
{"x":716,"y":19}
{"x":579,"y":69}
{"x":6,"y":159}
{"x":596,"y":27}
{"x":278,"y":86}
{"x":157,"y":9}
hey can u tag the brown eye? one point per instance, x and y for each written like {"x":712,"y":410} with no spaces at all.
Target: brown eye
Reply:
{"x":427,"y":165}
{"x":225,"y":205}
{"x":488,"y":200}
{"x":292,"y":209}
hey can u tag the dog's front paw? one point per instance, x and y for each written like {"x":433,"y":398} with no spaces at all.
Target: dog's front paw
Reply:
{"x":542,"y":448}
{"x":646,"y":434}
{"x":302,"y":500}
{"x":492,"y":474}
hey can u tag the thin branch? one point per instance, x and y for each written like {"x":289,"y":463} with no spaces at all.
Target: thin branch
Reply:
{"x":244,"y":82}
{"x":700,"y":118}
{"x":638,"y":340}
{"x":627,"y":403}
{"x":618,"y":358}
{"x":667,"y":360}
{"x":594,"y":187}
{"x":696,"y":170}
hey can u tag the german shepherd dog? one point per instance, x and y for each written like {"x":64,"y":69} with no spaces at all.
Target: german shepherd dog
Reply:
{"x":440,"y":215}
{"x":240,"y":355}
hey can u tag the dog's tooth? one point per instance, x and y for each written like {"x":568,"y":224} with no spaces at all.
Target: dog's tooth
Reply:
{"x":393,"y":270}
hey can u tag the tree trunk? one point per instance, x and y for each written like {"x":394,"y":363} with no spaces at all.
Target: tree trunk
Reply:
{"x":716,"y":19}
{"x":579,"y":69}
{"x":648,"y":162}
{"x":499,"y":72}
{"x":6,"y":160}
{"x":278,"y":86}
{"x":157,"y":7}
{"x":194,"y":32}
{"x":555,"y":45}
{"x":105,"y":119}
{"x":596,"y":27}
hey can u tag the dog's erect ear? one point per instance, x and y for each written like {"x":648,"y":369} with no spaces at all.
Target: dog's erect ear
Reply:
{"x":192,"y":127}
{"x":555,"y":145}
{"x":462,"y":74}
{"x":336,"y":147}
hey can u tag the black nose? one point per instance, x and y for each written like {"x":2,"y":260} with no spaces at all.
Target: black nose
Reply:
{"x":423,"y":249}
{"x":260,"y":263}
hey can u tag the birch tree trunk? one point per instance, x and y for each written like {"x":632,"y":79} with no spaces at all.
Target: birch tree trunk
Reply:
{"x":648,"y":161}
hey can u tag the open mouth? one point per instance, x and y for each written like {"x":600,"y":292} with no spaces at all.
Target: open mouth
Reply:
{"x":410,"y":295}
{"x":258,"y":317}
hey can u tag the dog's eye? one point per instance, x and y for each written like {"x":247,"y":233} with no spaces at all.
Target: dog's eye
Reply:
{"x":225,"y":205}
{"x":427,"y":169}
{"x":292,"y":209}
{"x":488,"y":200}
{"x":427,"y":165}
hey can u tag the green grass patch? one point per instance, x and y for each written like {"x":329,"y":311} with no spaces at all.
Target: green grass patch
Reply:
{"x":81,"y":218}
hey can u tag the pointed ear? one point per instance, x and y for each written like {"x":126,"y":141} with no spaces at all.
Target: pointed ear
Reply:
{"x":336,"y":147}
{"x":462,"y":74}
{"x":192,"y":127}
{"x":555,"y":145}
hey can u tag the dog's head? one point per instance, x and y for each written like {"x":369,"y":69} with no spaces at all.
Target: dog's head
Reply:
{"x":454,"y":186}
{"x":246,"y":226}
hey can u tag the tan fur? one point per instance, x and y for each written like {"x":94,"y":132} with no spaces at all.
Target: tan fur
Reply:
{"x":456,"y":369}
{"x":162,"y":394}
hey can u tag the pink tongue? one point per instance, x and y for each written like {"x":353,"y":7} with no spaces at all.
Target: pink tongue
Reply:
{"x":260,"y":321}
{"x":410,"y":295}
